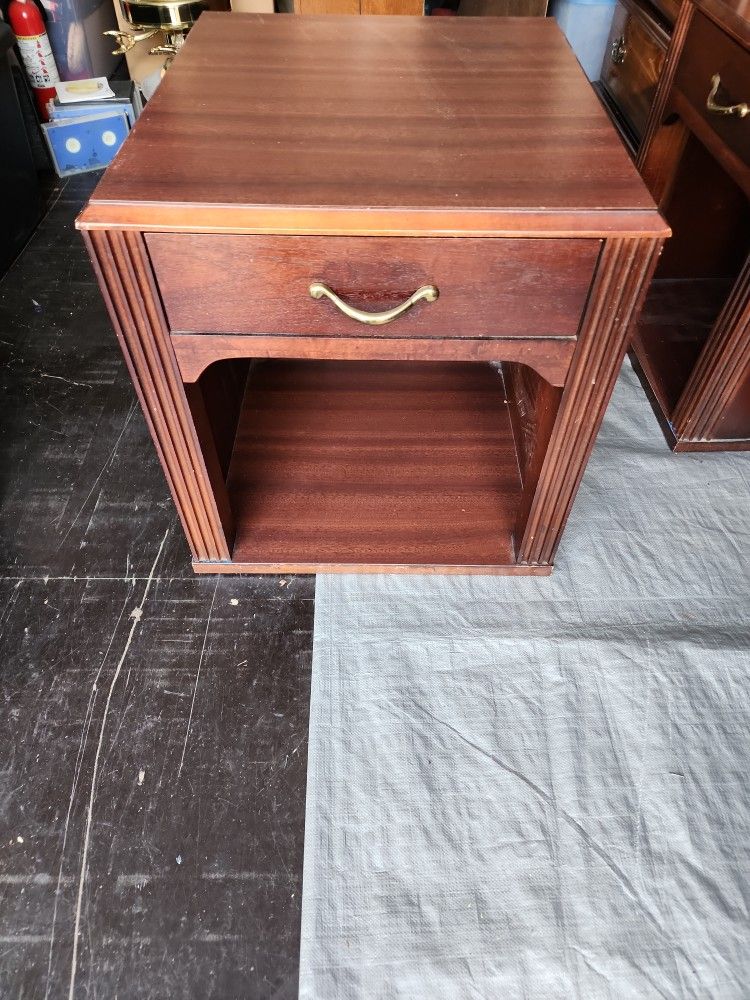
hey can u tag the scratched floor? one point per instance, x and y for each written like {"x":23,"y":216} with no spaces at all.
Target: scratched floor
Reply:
{"x":153,"y":724}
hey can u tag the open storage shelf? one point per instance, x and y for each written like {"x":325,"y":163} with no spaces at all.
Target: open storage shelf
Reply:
{"x":352,"y":464}
{"x":710,"y":217}
{"x":675,"y":324}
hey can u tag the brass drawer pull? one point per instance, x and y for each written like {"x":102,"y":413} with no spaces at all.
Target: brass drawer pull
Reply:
{"x":428,"y":293}
{"x":738,"y":110}
{"x":618,"y":51}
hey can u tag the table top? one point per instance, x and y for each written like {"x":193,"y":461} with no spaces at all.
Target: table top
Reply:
{"x":375,"y":126}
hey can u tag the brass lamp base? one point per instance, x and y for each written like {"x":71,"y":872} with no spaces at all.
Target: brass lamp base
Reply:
{"x":149,"y":17}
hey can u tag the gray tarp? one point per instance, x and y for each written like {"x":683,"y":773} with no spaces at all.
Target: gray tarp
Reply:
{"x":538,"y":788}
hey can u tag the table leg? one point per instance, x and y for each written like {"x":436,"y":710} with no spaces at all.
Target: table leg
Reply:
{"x":623,"y":274}
{"x":124,"y":273}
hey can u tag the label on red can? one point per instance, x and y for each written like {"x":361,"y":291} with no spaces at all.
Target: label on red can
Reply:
{"x":38,"y":60}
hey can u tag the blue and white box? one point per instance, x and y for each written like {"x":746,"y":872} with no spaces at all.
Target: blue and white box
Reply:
{"x":90,"y":143}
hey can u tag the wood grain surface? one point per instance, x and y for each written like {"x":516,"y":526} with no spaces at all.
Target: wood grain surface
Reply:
{"x":327,"y":7}
{"x":502,"y":8}
{"x":375,"y":463}
{"x":375,"y":125}
{"x":549,"y":356}
{"x":257,"y":284}
{"x":415,"y":8}
{"x":732,"y":16}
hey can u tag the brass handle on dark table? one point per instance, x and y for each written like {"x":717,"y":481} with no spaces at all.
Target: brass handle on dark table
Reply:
{"x":738,"y":110}
{"x":618,"y":51}
{"x":427,"y":293}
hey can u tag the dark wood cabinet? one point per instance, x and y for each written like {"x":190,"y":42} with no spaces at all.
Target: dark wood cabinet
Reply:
{"x":373,"y":320}
{"x":633,"y":61}
{"x":692,"y":342}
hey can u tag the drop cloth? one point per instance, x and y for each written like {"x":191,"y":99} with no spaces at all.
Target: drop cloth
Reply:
{"x":538,"y":787}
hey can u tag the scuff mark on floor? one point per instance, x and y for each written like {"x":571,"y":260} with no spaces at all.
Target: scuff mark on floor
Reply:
{"x":74,"y":788}
{"x":197,"y":678}
{"x":103,"y":469}
{"x":136,"y":616}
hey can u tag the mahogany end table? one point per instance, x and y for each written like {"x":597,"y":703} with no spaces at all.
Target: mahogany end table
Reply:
{"x":373,"y":279}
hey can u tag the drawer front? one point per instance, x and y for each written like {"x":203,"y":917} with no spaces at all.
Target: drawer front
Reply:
{"x":633,"y":60}
{"x":260,"y":284}
{"x":709,"y":51}
{"x":669,"y":9}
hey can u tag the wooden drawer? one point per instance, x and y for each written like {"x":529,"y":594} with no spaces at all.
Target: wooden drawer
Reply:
{"x":668,"y":9}
{"x":709,"y":51}
{"x":260,"y":284}
{"x":633,"y":60}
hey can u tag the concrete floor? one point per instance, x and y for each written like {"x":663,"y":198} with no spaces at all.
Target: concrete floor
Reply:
{"x":154,"y":723}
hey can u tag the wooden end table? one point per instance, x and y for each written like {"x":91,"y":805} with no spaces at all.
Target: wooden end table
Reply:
{"x":373,"y":279}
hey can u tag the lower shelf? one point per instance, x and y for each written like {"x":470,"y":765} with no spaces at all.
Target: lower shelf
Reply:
{"x":675,"y":323}
{"x":374,"y":466}
{"x":674,"y":326}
